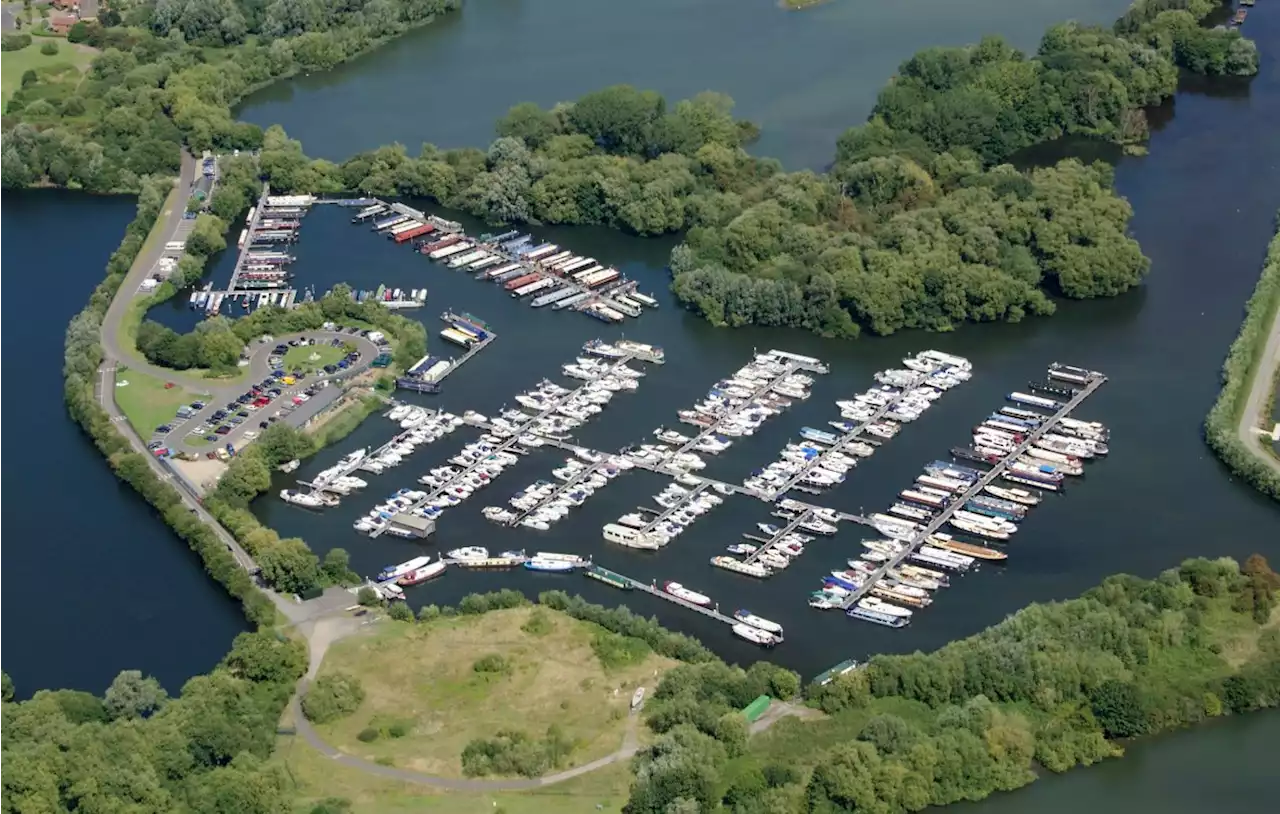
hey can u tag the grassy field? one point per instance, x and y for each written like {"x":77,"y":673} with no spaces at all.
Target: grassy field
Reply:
{"x":146,"y":402}
{"x":423,"y":675}
{"x":316,"y":777}
{"x":68,"y":65}
{"x":300,"y":358}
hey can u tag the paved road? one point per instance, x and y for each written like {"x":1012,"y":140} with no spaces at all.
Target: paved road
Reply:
{"x":1251,"y":417}
{"x":217,"y":395}
{"x":324,"y":632}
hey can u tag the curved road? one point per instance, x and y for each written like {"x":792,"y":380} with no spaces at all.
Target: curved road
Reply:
{"x":323,"y":632}
{"x":1251,"y":417}
{"x":319,"y":632}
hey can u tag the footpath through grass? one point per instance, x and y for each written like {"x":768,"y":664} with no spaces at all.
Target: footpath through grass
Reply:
{"x":68,"y":65}
{"x":145,"y":400}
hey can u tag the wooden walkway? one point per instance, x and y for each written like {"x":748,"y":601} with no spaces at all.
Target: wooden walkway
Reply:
{"x":959,"y":502}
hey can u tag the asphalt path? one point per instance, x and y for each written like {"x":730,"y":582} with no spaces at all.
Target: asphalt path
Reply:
{"x":1251,"y":417}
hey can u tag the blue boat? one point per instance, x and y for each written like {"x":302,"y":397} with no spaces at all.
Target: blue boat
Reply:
{"x":993,"y":511}
{"x":843,"y":583}
{"x":821,"y":436}
{"x":536,"y":564}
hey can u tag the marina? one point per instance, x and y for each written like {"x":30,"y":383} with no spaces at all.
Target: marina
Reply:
{"x":525,"y":268}
{"x":965,"y":499}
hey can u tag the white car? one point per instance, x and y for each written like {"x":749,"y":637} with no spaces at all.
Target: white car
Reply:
{"x":250,"y":435}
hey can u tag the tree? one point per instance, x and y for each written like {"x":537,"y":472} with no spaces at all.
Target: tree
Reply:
{"x":6,"y":687}
{"x":290,"y":566}
{"x":337,"y":567}
{"x":368,"y":597}
{"x":265,"y":656}
{"x":29,"y":78}
{"x":333,"y":696}
{"x":1118,"y":708}
{"x":132,"y":696}
{"x":281,"y":443}
{"x":49,"y":48}
{"x":400,"y":612}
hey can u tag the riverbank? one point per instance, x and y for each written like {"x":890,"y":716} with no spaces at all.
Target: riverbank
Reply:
{"x":1234,"y":427}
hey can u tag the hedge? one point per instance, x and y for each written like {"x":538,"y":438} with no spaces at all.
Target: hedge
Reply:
{"x":1238,"y":372}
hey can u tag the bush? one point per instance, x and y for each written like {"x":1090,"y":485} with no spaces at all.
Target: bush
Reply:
{"x":513,"y":752}
{"x":615,"y":651}
{"x":474,"y":604}
{"x":492,"y":664}
{"x":400,"y":612}
{"x":14,"y":42}
{"x":368,"y":597}
{"x":398,"y":729}
{"x":333,"y":696}
{"x":368,"y":735}
{"x":429,"y":613}
{"x":538,"y":623}
{"x":621,"y":620}
{"x":49,"y":48}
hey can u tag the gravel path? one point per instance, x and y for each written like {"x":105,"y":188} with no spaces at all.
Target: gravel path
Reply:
{"x":1251,"y":417}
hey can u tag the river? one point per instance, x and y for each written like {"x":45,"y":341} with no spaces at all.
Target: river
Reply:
{"x":1205,"y":200}
{"x":94,"y":581}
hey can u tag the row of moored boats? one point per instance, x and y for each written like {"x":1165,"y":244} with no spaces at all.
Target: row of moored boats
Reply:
{"x":897,"y":574}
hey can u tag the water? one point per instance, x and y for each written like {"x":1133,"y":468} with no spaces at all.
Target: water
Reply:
{"x":94,"y":582}
{"x":803,"y":77}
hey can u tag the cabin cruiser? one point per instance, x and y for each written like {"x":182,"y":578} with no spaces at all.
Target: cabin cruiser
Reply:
{"x":469,"y":553}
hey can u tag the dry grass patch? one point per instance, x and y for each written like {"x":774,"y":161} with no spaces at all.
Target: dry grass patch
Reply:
{"x":424,"y":678}
{"x":1240,"y":644}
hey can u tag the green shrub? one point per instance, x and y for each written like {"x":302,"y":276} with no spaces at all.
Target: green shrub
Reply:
{"x":368,"y":597}
{"x":49,"y":48}
{"x":429,"y":613}
{"x":14,"y":42}
{"x":333,"y":696}
{"x":400,"y":612}
{"x":368,"y":735}
{"x":492,"y":664}
{"x":398,"y":729}
{"x":538,"y":623}
{"x":616,"y":651}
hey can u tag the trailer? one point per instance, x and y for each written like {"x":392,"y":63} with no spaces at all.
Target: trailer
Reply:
{"x":533,"y":288}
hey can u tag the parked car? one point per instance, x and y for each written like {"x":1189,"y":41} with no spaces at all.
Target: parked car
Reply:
{"x":236,"y":422}
{"x":330,"y":369}
{"x":263,"y":425}
{"x":211,"y":438}
{"x":154,"y":445}
{"x":164,"y":428}
{"x":242,"y":413}
{"x":223,"y":430}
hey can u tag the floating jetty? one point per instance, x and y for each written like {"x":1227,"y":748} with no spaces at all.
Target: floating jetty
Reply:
{"x":559,"y":277}
{"x":429,"y":372}
{"x":964,"y":490}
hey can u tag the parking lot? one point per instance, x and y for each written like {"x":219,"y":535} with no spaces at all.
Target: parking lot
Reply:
{"x":235,"y":416}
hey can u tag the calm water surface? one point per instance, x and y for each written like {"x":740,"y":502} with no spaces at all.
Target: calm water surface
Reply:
{"x":94,"y":582}
{"x":803,"y":77}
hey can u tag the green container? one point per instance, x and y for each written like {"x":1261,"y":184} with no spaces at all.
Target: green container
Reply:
{"x":756,"y":708}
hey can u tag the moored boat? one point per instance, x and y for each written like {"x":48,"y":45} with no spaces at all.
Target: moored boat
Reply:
{"x":968,"y":549}
{"x":755,"y":635}
{"x":422,"y":574}
{"x":392,"y":572}
{"x":680,"y":592}
{"x":750,"y":618}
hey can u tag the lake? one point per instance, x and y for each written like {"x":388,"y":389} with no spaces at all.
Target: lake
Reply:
{"x":803,"y":77}
{"x":107,"y":585}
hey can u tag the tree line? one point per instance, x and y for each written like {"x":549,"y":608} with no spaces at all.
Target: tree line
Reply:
{"x":170,"y":72}
{"x":1055,"y":685}
{"x":1245,"y":361}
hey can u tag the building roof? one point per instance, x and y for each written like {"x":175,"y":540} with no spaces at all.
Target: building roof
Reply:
{"x":88,"y":9}
{"x":422,"y":525}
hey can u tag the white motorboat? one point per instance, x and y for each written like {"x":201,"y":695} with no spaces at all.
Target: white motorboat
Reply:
{"x":469,"y":553}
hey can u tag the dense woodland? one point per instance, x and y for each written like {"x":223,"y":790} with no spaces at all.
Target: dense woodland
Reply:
{"x":1055,"y":685}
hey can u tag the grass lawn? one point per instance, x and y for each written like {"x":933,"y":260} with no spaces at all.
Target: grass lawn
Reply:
{"x":146,"y":402}
{"x":315,"y":777}
{"x":423,"y":675}
{"x":68,"y":65}
{"x":300,"y":358}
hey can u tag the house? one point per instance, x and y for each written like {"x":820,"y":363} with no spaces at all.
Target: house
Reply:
{"x":88,"y":9}
{"x":61,"y":23}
